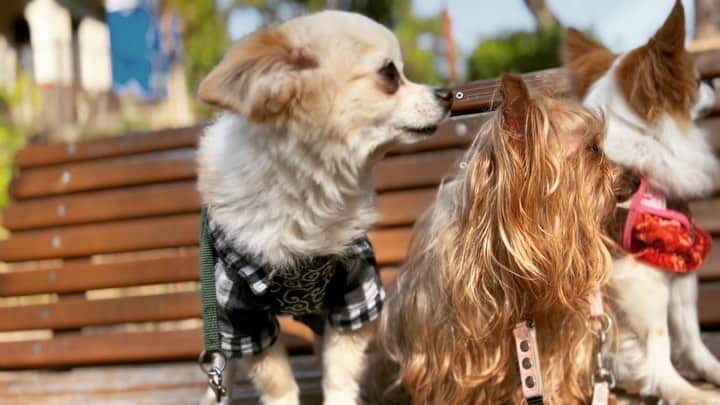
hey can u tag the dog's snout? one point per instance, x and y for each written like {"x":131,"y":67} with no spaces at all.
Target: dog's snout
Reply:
{"x":444,"y":95}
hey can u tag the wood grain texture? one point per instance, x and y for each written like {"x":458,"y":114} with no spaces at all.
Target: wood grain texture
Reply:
{"x":41,"y":154}
{"x":125,"y":203}
{"x":146,"y":234}
{"x":94,"y":175}
{"x":115,"y":237}
{"x":395,"y":207}
{"x":78,"y":277}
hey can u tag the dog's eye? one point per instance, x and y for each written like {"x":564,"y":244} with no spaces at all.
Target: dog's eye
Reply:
{"x":594,"y":148}
{"x":389,"y":72}
{"x":390,"y":78}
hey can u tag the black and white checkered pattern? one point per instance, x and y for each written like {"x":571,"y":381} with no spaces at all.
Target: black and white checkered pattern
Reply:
{"x":344,"y":291}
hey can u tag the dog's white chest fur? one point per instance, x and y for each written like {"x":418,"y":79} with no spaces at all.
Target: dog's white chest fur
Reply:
{"x":276,"y":197}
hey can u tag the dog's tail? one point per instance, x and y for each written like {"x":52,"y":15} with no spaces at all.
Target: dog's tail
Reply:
{"x":379,"y":382}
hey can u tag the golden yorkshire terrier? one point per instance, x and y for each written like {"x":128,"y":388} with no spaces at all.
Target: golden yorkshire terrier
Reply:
{"x":517,"y":235}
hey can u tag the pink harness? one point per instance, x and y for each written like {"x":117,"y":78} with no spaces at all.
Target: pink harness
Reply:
{"x":651,"y":200}
{"x":664,"y":238}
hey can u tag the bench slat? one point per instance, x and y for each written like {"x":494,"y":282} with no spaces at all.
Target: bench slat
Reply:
{"x":142,"y":169}
{"x":710,"y":270}
{"x":706,"y":214}
{"x":404,"y":207}
{"x":712,"y":126}
{"x":145,"y":234}
{"x":45,"y":154}
{"x":146,"y":347}
{"x":708,"y":308}
{"x":117,"y":348}
{"x":141,"y":142}
{"x":77,"y":277}
{"x":78,"y":313}
{"x":418,"y":170}
{"x":707,"y":63}
{"x":396,"y":207}
{"x":86,"y":240}
{"x":125,"y":203}
{"x":397,"y":172}
{"x":483,"y":95}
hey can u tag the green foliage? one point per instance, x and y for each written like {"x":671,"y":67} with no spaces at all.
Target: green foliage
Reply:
{"x":520,"y":52}
{"x":10,"y":141}
{"x":11,"y":138}
{"x":204,"y":38}
{"x":419,"y":63}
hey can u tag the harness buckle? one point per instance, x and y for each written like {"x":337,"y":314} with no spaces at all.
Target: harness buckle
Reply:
{"x":213,"y":364}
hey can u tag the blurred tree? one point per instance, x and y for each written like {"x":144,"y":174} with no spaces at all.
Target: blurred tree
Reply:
{"x":520,"y":52}
{"x":11,"y":137}
{"x":541,"y":12}
{"x":205,"y":37}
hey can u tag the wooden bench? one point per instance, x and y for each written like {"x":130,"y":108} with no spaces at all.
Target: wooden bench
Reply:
{"x":98,"y":294}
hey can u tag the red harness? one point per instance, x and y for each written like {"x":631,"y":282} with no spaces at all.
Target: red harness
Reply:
{"x":662,"y":237}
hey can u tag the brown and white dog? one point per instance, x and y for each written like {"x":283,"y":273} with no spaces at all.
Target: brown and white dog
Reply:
{"x":517,"y":235}
{"x":287,"y":172}
{"x":650,"y":97}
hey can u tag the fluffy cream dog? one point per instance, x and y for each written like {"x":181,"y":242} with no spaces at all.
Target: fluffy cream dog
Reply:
{"x":649,"y":97}
{"x":287,"y":174}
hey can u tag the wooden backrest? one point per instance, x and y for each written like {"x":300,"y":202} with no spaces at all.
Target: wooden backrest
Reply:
{"x":102,"y":262}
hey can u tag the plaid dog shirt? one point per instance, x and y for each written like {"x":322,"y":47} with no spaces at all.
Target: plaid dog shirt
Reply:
{"x":342,"y":290}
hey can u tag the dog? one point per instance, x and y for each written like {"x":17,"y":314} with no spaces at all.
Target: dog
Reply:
{"x":287,"y":177}
{"x":650,"y":97}
{"x":517,"y":235}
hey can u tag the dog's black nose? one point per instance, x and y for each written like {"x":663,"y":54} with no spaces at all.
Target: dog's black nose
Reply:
{"x":443,"y":94}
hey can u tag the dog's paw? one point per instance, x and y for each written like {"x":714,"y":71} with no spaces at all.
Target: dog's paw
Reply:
{"x":290,"y":398}
{"x":210,"y":399}
{"x":712,"y":374}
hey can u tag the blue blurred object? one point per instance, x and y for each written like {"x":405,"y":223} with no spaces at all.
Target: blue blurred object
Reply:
{"x":140,"y":64}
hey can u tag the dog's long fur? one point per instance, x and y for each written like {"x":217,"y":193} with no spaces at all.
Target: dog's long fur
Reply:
{"x":312,"y":104}
{"x":649,"y":97}
{"x":516,"y":236}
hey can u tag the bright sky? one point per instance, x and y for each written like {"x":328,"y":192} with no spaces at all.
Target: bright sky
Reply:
{"x":619,"y":24}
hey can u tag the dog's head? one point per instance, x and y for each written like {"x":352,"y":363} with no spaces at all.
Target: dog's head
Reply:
{"x":545,"y":189}
{"x":650,"y":96}
{"x":331,"y":76}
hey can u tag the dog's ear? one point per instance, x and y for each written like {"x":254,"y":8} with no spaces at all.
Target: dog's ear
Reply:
{"x":671,"y":36}
{"x":259,"y":78}
{"x":660,"y":76}
{"x":516,"y":103}
{"x":586,"y":59}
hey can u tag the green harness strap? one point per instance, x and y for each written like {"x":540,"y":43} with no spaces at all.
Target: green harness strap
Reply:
{"x":211,"y":360}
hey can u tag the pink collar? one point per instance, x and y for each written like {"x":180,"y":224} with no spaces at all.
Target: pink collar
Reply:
{"x":651,"y":200}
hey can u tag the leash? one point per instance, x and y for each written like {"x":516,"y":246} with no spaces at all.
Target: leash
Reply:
{"x":211,"y":360}
{"x":600,"y":323}
{"x":528,"y":356}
